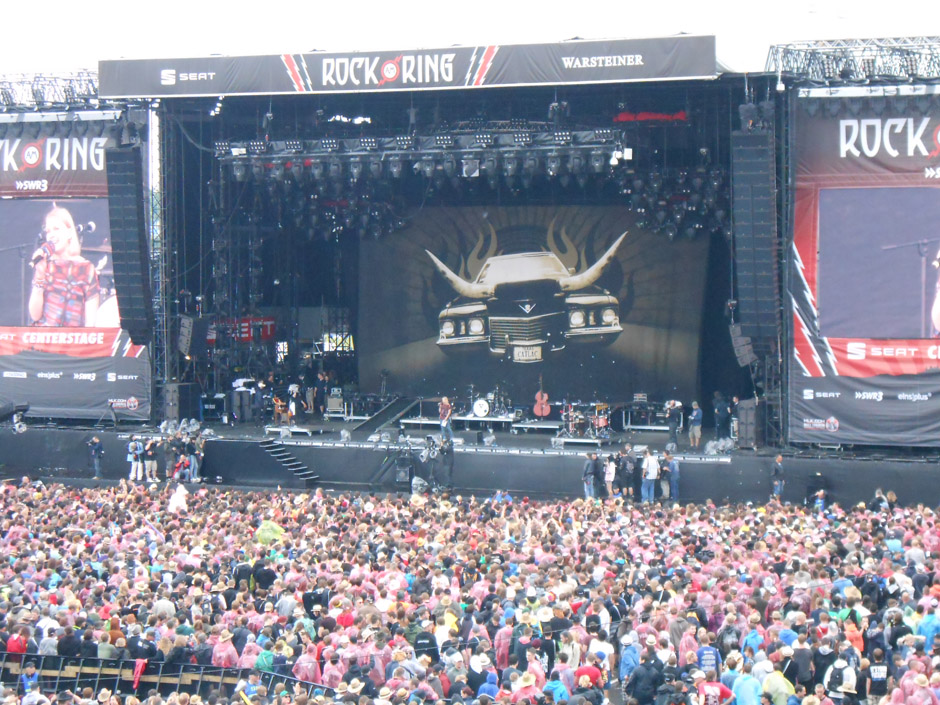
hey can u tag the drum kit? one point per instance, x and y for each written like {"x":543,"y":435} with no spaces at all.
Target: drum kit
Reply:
{"x":586,"y":420}
{"x":493,"y":403}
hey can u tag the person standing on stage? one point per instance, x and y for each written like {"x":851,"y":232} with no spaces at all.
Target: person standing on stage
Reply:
{"x":776,"y":476}
{"x":150,"y":460}
{"x":135,"y":456}
{"x":722,"y":416}
{"x":650,"y":475}
{"x":695,"y":425}
{"x":445,"y":412}
{"x":626,"y":462}
{"x":65,"y":288}
{"x":96,"y":450}
{"x":320,"y":393}
{"x":673,"y":419}
{"x":672,"y":468}
{"x":587,"y":476}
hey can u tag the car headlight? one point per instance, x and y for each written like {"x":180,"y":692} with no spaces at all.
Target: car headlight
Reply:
{"x":576,"y":319}
{"x":447,"y":328}
{"x":609,"y":316}
{"x":476,"y":326}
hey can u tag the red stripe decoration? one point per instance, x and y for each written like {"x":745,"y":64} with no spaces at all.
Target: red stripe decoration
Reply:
{"x":485,"y":64}
{"x":863,"y":357}
{"x":803,"y":349}
{"x":293,"y":72}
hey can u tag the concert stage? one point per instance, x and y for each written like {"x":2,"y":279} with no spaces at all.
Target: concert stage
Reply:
{"x":524,"y":464}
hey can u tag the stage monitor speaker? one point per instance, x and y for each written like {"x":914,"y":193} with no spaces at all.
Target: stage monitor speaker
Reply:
{"x":750,"y":423}
{"x":129,"y":248}
{"x":756,"y":249}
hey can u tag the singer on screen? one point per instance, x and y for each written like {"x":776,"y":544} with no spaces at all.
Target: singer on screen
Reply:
{"x":65,"y":285}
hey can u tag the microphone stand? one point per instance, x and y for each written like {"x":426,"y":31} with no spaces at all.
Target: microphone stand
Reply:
{"x":922,"y":250}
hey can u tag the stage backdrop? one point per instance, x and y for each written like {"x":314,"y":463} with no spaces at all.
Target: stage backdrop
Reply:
{"x":863,"y":274}
{"x":75,"y":370}
{"x":579,"y":296}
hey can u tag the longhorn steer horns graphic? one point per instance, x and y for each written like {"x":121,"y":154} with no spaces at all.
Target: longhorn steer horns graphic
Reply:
{"x":572,"y":282}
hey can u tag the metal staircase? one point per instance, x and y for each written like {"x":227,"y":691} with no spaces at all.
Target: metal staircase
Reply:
{"x":283,"y":456}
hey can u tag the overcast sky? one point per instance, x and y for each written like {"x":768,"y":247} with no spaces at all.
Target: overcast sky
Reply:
{"x":60,"y":35}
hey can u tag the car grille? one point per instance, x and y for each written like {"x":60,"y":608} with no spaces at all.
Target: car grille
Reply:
{"x":521,"y":329}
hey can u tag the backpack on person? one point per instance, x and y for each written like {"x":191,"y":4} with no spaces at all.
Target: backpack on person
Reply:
{"x":836,"y":678}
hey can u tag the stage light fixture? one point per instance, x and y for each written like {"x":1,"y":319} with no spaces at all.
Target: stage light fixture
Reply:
{"x":404,"y":142}
{"x":394,"y":167}
{"x":317,"y":169}
{"x":294,"y":145}
{"x":598,"y":159}
{"x":444,"y":141}
{"x":368,"y":143}
{"x":604,"y":134}
{"x":257,"y":146}
{"x":425,"y":167}
{"x":522,"y":138}
{"x":330,"y":144}
{"x":470,"y":167}
{"x":335,"y":170}
{"x":222,"y":148}
{"x":449,"y":166}
{"x":484,"y":139}
{"x":510,"y":165}
{"x":257,"y":171}
{"x":355,"y":169}
{"x":553,"y":164}
{"x":278,"y":171}
{"x":562,"y":137}
{"x":240,"y":171}
{"x":296,"y":168}
{"x":575,"y":163}
{"x":375,"y":168}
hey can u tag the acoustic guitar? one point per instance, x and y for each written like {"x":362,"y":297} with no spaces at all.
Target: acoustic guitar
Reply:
{"x":541,"y":408}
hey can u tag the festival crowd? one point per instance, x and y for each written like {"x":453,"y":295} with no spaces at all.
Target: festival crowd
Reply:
{"x":401,"y":600}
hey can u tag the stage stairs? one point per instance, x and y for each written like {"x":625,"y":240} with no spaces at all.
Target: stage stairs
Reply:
{"x":285,"y":458}
{"x":386,"y":417}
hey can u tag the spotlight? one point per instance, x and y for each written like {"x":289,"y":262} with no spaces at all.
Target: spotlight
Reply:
{"x":553,"y":164}
{"x":394,"y":167}
{"x":329,"y":144}
{"x":597,"y":162}
{"x":317,"y":169}
{"x":375,"y":168}
{"x":257,"y":146}
{"x":222,"y":148}
{"x":562,"y":137}
{"x":240,"y":171}
{"x":367,"y":143}
{"x":404,"y":142}
{"x":484,"y":139}
{"x":444,"y":141}
{"x":355,"y":169}
{"x":522,"y":138}
{"x":510,"y":165}
{"x":294,"y":146}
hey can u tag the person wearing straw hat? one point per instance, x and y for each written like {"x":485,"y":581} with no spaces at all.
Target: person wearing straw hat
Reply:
{"x":224,"y":654}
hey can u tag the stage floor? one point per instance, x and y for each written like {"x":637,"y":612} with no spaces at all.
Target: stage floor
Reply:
{"x":319,"y":454}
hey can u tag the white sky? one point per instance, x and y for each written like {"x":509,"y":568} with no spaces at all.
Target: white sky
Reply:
{"x":61,"y":35}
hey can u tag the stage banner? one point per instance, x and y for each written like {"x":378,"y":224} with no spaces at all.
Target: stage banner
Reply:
{"x":62,"y":349}
{"x":496,"y":303}
{"x":863,"y":273}
{"x":607,"y":61}
{"x":49,"y":167}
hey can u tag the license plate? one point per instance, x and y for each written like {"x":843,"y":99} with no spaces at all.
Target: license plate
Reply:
{"x":532,"y":353}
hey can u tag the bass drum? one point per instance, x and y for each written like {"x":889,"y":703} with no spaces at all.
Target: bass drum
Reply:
{"x":481,"y":408}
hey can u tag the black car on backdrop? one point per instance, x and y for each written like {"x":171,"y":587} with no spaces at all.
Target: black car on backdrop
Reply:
{"x":528,"y":305}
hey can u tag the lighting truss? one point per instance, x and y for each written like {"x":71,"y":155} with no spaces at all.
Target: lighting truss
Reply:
{"x":34,"y":91}
{"x":899,"y":59}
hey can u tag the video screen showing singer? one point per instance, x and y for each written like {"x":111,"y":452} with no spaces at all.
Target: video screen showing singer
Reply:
{"x":65,"y":290}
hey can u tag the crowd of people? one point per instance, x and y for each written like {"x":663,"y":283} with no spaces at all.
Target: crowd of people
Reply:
{"x":413,"y":599}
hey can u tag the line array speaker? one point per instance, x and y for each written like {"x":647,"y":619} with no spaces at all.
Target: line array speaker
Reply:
{"x":129,"y":248}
